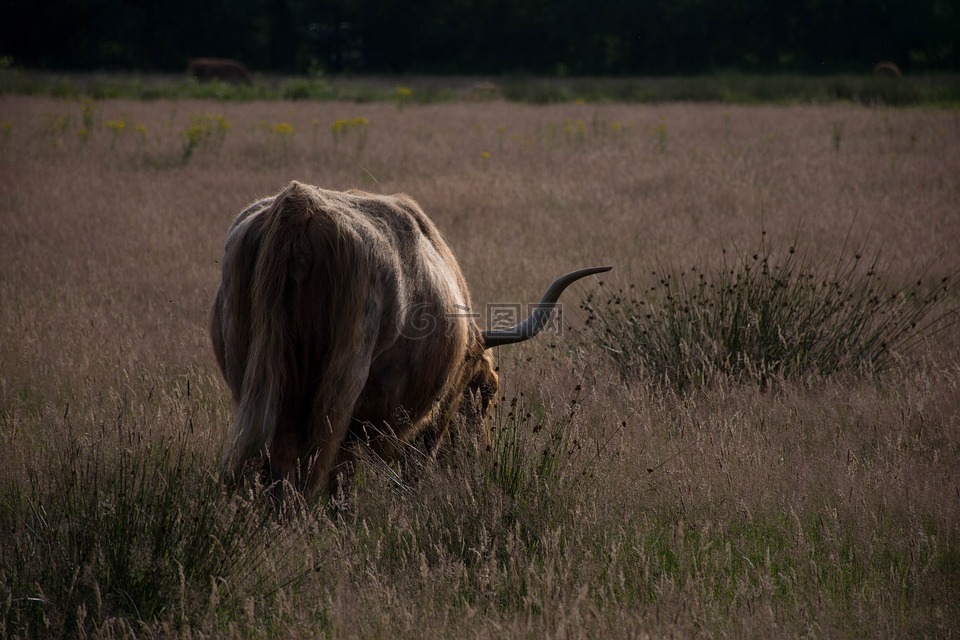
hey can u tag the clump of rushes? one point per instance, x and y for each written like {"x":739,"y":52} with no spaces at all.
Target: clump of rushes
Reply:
{"x":142,"y":532}
{"x":283,"y":134}
{"x":768,"y":315}
{"x":116,"y":128}
{"x":403,"y":95}
{"x":342,"y":127}
{"x":204,"y":130}
{"x":532,"y":452}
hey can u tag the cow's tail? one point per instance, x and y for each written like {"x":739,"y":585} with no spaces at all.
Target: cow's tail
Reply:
{"x":276,"y":256}
{"x":311,"y":335}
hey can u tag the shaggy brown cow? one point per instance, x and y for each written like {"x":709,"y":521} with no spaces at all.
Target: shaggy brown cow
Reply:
{"x":344,"y":317}
{"x":886,"y":68}
{"x":205,"y":69}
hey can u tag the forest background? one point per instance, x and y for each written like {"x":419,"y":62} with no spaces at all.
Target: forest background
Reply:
{"x":559,"y":37}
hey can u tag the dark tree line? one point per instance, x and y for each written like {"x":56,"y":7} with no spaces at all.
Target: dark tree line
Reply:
{"x":582,"y":37}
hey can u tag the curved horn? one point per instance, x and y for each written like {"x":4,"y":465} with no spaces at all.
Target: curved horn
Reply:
{"x":541,"y":313}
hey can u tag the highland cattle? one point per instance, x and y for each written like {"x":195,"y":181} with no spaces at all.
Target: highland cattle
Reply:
{"x":223,"y":69}
{"x":887,"y":69}
{"x":343,"y":317}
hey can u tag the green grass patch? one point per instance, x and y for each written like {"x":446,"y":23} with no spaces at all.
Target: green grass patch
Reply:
{"x":740,"y":88}
{"x":142,"y":533}
{"x":927,"y":89}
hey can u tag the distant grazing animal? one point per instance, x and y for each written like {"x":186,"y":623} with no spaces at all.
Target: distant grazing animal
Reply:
{"x":343,"y":317}
{"x":205,"y":69}
{"x":482,"y":90}
{"x":886,"y":68}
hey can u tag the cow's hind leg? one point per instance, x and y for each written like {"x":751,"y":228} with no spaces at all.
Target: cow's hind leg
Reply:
{"x":327,"y":449}
{"x":326,"y":460}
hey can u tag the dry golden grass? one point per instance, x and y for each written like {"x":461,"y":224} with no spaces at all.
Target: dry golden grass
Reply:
{"x":829,"y":508}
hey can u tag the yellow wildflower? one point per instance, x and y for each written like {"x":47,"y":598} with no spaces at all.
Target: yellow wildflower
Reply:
{"x":283,"y":128}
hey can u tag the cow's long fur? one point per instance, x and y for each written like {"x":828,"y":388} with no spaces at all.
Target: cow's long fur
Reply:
{"x":341,"y":316}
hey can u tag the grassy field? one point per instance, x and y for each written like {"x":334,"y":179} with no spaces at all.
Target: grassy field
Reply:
{"x":612,"y":503}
